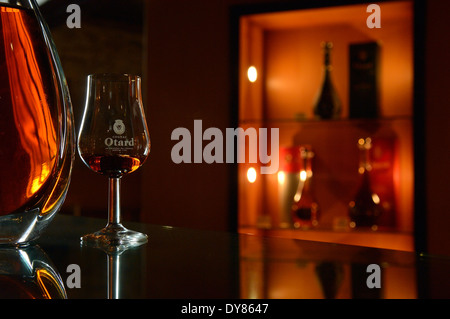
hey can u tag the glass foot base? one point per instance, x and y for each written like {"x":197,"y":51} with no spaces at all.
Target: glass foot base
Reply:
{"x":114,"y":238}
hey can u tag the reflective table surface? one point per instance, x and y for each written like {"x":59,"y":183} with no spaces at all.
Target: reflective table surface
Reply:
{"x":179,"y":263}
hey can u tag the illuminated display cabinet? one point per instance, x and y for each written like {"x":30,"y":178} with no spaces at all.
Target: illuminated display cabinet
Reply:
{"x":280,"y":74}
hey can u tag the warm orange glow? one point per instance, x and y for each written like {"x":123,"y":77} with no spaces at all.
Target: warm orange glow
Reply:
{"x":40,"y":275}
{"x":251,"y":175}
{"x":361,"y":141}
{"x":32,"y":116}
{"x":281,"y":177}
{"x":375,"y":198}
{"x":49,"y":285}
{"x":252,"y":74}
{"x":303,"y":175}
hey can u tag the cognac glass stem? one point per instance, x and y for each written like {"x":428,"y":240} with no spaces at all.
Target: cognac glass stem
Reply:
{"x":114,"y":202}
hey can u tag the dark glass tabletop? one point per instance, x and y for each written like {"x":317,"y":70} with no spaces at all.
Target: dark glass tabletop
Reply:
{"x":179,"y":263}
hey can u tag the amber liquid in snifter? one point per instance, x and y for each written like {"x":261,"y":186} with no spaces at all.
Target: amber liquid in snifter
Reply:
{"x":113,"y":166}
{"x":114,"y":141}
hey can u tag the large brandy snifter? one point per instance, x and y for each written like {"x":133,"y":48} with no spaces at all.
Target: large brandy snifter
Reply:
{"x":113,"y":141}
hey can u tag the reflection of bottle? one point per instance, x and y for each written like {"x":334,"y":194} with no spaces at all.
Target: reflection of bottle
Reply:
{"x":362,"y":277}
{"x":28,"y":273}
{"x":328,"y":104}
{"x":305,"y":210}
{"x":331,"y":275}
{"x":365,"y":209}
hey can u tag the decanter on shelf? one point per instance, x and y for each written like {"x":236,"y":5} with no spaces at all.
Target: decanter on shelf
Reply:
{"x":365,"y":209}
{"x":304,"y":209}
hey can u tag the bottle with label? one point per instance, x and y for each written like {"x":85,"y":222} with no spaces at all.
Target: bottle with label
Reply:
{"x":305,"y":210}
{"x":328,"y":104}
{"x":364,"y":77}
{"x":288,"y":179}
{"x":365,"y":209}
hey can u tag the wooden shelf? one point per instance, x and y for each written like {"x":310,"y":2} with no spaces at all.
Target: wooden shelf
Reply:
{"x":293,"y":121}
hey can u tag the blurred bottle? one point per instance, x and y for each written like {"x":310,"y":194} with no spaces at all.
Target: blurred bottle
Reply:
{"x":288,"y":179}
{"x":305,"y":210}
{"x":328,"y":104}
{"x":364,"y":80}
{"x":365,"y":209}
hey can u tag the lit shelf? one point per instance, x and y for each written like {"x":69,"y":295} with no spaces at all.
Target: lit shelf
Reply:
{"x":379,"y":239}
{"x":284,"y":121}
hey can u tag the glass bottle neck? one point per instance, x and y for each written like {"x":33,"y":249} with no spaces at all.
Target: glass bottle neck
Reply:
{"x":327,"y":46}
{"x":364,"y":146}
{"x":327,"y":60}
{"x":306,"y":172}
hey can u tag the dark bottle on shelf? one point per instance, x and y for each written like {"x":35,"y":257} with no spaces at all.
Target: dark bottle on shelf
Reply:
{"x":364,"y":80}
{"x":328,"y":104}
{"x":305,"y":210}
{"x":365,"y":209}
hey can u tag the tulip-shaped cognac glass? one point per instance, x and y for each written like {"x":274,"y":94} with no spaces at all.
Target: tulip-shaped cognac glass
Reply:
{"x":114,"y":141}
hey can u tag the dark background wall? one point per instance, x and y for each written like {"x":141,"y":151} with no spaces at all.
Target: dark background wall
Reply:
{"x":436,"y":115}
{"x":182,"y":50}
{"x":111,"y":39}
